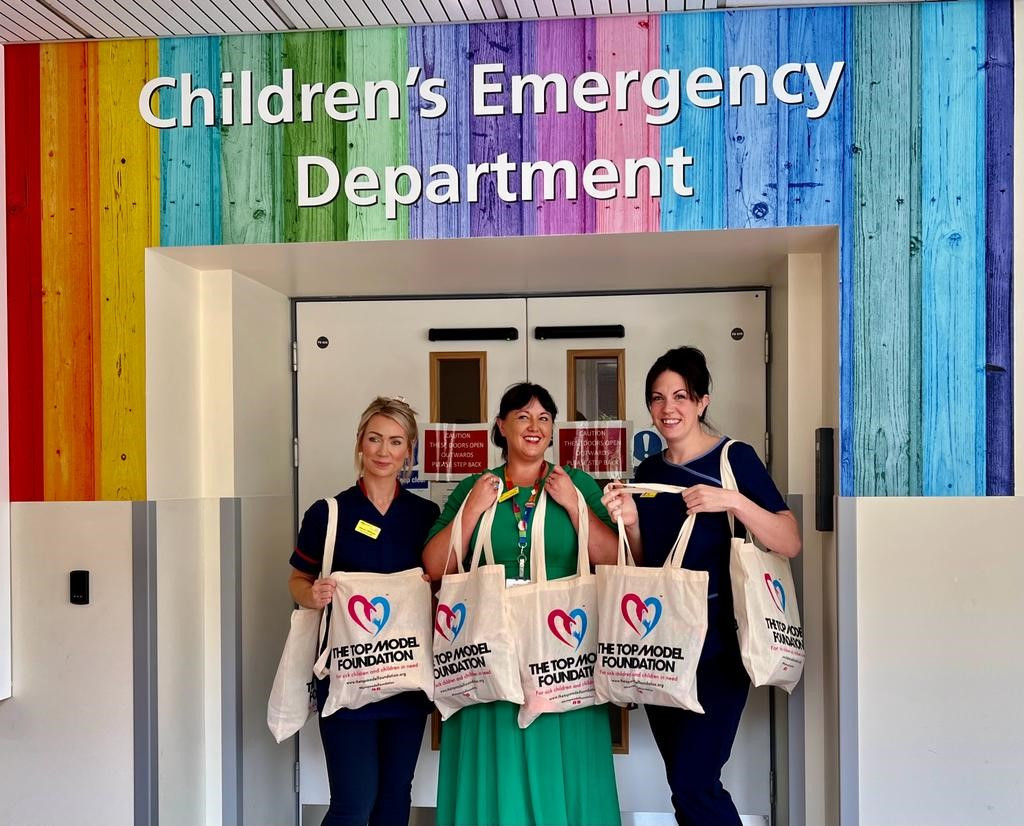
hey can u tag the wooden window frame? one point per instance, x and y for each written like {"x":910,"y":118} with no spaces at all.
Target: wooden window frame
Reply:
{"x":435,"y":378}
{"x":570,"y":380}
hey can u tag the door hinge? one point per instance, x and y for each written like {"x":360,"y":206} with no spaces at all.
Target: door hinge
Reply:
{"x":297,"y":777}
{"x":773,"y":794}
{"x":767,"y":449}
{"x":295,"y":452}
{"x":295,"y":357}
{"x":767,"y":347}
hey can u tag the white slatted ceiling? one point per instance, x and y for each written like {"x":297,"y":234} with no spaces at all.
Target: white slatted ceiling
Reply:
{"x":47,"y":20}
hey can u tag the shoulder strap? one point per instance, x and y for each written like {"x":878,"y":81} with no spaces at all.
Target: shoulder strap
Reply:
{"x":729,"y":483}
{"x":331,"y":536}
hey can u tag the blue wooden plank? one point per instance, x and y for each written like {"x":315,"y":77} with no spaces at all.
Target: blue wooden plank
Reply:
{"x":953,"y":208}
{"x":440,"y":51}
{"x":811,"y":177}
{"x":753,"y":133}
{"x":689,"y":40}
{"x":999,"y":65}
{"x":817,"y":174}
{"x":190,"y":210}
{"x":492,"y":135}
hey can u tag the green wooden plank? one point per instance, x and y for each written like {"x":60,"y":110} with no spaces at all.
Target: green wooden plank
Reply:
{"x":315,"y":58}
{"x":251,"y":211}
{"x":884,"y":393}
{"x":374,"y":55}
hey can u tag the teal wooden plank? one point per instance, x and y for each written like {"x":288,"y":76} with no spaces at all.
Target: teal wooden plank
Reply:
{"x":953,"y":286}
{"x":189,"y":156}
{"x":251,"y":154}
{"x":883,"y":392}
{"x":315,"y":58}
{"x":754,"y":133}
{"x":689,"y":40}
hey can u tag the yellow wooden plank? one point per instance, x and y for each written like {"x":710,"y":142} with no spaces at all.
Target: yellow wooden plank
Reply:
{"x":126,"y":198}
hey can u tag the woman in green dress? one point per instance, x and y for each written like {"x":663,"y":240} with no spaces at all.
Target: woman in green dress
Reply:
{"x":559,"y":770}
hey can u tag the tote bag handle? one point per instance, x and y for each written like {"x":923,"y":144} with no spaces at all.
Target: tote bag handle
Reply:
{"x":729,"y":483}
{"x":483,"y":546}
{"x":328,"y":561}
{"x":538,"y":564}
{"x":678,"y":552}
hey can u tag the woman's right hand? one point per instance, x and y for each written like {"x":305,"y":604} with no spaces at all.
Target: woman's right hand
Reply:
{"x":619,"y":504}
{"x":322,"y":592}
{"x":482,"y":495}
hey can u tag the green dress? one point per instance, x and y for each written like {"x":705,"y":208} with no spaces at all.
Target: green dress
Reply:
{"x":559,"y":770}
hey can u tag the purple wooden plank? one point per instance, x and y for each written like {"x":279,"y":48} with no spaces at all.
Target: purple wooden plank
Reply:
{"x":441,"y":52}
{"x":492,"y":135}
{"x":561,"y":47}
{"x":999,"y":246}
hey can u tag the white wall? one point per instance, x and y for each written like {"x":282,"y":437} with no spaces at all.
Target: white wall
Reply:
{"x":66,"y":735}
{"x":219,"y":396}
{"x":931,"y":671}
{"x":181,"y":632}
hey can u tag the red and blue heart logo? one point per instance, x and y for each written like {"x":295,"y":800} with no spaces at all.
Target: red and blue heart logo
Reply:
{"x":777,"y":591}
{"x":369,"y":614}
{"x":449,"y":620}
{"x":641,"y":613}
{"x":568,"y":628}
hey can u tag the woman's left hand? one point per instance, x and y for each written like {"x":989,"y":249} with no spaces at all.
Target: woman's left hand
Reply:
{"x":709,"y":499}
{"x":561,"y":489}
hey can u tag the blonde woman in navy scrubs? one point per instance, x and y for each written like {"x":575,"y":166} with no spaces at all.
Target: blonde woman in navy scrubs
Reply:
{"x":695,"y":747}
{"x":371,"y":751}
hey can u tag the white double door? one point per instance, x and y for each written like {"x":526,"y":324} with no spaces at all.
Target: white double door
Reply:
{"x":350,"y":351}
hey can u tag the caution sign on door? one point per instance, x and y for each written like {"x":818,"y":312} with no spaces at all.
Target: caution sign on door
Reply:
{"x":453,"y":451}
{"x":602,"y":449}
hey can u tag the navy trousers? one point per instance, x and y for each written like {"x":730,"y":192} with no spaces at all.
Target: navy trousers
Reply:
{"x":695,"y":747}
{"x":370,"y":766}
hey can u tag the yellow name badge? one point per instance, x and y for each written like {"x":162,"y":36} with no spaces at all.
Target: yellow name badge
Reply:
{"x":366,"y":529}
{"x":647,"y":494}
{"x":508,"y":494}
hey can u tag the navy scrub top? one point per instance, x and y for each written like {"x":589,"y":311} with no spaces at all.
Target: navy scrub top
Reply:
{"x":398,"y":547}
{"x":662,"y":516}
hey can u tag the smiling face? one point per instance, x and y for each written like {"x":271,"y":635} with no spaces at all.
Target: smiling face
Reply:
{"x":528,"y":431}
{"x":385,"y":447}
{"x":675,"y":410}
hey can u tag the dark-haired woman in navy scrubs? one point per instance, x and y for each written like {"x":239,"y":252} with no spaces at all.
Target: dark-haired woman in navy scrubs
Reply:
{"x":695,"y":747}
{"x":371,"y":751}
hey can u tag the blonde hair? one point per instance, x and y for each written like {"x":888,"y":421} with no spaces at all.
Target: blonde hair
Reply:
{"x":398,"y":410}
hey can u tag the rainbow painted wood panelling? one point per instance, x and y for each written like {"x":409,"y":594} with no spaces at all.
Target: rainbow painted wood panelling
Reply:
{"x":913,"y":162}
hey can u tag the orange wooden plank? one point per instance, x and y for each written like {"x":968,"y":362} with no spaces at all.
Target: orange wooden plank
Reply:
{"x":67,"y":273}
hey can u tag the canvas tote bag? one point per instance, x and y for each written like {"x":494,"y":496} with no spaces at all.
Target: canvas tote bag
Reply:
{"x":293,"y":695}
{"x":474,"y":648}
{"x":555,"y":623}
{"x":652,"y":624}
{"x":764,"y":598}
{"x":378,"y":642}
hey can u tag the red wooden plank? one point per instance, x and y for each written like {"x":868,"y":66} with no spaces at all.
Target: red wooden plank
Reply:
{"x":24,"y":272}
